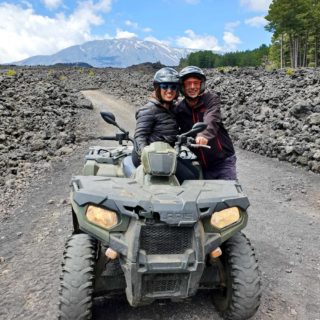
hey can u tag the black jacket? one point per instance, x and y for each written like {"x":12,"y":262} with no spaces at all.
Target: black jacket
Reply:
{"x":154,"y":123}
{"x":206,"y":110}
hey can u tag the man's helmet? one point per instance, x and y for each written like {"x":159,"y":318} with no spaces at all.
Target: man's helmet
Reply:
{"x":192,"y":71}
{"x":164,"y":75}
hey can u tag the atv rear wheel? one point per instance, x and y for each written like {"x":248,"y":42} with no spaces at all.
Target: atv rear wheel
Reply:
{"x":76,"y":285}
{"x":238,"y":297}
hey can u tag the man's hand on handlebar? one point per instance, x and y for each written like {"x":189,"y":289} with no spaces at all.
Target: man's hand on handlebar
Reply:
{"x":192,"y":142}
{"x":201,"y":140}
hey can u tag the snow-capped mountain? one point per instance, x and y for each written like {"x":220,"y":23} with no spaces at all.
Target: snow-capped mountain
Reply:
{"x":118,"y":53}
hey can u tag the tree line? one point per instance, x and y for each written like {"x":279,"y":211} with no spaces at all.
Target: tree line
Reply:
{"x":208,"y":59}
{"x":296,"y":32}
{"x":295,"y":25}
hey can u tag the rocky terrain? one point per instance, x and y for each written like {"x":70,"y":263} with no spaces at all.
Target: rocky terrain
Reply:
{"x":35,"y":210}
{"x":276,"y":114}
{"x":43,"y":113}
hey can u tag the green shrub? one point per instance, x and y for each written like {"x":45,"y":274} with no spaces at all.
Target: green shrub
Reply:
{"x":271,"y":66}
{"x":227,"y":69}
{"x":11,"y":73}
{"x":290,"y":72}
{"x":91,"y":73}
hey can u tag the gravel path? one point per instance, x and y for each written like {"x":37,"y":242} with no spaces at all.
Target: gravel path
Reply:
{"x":284,"y":223}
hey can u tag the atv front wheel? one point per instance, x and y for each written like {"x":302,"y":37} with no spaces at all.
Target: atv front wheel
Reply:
{"x":76,"y":285}
{"x":238,"y":297}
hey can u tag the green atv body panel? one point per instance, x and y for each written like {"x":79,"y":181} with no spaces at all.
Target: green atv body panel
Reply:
{"x":163,"y":235}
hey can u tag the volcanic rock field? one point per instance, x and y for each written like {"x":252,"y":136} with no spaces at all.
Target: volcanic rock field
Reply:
{"x":43,"y":113}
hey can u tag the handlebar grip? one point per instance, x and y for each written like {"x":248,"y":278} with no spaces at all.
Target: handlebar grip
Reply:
{"x":200,"y":146}
{"x":108,"y":138}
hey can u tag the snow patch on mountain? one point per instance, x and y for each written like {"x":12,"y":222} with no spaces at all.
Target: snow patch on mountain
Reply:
{"x":118,"y":53}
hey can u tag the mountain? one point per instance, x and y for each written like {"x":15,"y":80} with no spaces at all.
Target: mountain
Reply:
{"x":118,"y":53}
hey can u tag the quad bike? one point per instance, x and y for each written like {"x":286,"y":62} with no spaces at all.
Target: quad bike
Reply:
{"x":143,"y":234}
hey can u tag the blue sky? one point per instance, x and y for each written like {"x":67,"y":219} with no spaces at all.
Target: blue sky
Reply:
{"x":29,"y":27}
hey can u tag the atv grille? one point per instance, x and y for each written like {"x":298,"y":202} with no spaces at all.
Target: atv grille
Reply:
{"x":163,"y":239}
{"x":162,"y":283}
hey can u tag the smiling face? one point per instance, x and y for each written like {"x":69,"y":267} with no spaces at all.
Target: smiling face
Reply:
{"x":192,"y":86}
{"x":168,"y":91}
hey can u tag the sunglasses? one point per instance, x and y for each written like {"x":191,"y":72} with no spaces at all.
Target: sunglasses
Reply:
{"x":167,"y":86}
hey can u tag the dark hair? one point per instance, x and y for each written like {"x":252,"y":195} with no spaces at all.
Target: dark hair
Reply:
{"x":156,"y":94}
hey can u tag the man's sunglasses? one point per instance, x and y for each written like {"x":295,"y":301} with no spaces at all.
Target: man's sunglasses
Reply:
{"x":167,"y":86}
{"x":189,"y":83}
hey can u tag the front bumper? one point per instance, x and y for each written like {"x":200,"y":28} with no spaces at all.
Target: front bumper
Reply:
{"x":167,"y":258}
{"x":163,"y":262}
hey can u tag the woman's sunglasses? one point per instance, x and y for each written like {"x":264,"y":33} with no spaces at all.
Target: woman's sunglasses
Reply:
{"x":167,"y":86}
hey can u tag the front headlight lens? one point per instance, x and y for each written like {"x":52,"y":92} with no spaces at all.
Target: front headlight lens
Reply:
{"x":225,"y":217}
{"x":102,"y":217}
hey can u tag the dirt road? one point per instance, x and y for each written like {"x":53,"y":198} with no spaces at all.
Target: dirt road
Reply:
{"x":284,"y":224}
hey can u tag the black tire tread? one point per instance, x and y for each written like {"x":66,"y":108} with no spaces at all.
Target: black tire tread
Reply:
{"x":246,"y":279}
{"x":76,"y":280}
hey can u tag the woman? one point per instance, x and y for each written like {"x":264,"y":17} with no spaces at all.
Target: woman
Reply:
{"x":156,"y":122}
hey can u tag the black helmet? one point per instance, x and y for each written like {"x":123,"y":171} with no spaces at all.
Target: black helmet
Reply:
{"x":164,"y":75}
{"x":189,"y":72}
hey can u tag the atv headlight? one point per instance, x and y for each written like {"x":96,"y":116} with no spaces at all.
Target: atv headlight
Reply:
{"x":225,"y":217}
{"x":102,"y":217}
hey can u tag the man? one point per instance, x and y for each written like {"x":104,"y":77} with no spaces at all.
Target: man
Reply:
{"x":218,"y":162}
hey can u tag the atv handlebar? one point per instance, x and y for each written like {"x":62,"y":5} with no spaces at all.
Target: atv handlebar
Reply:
{"x":188,"y":142}
{"x":196,"y":145}
{"x":107,"y":138}
{"x":185,"y":138}
{"x":120,"y":137}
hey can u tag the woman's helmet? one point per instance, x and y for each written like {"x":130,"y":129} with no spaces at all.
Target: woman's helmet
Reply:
{"x":166,"y":75}
{"x":192,"y":71}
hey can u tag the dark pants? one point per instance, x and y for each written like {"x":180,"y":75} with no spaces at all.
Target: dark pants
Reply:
{"x":135,"y":158}
{"x":186,"y":171}
{"x":224,"y":170}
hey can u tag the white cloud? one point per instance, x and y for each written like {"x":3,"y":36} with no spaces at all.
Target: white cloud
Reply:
{"x":231,"y":41}
{"x":103,"y":5}
{"x":24,"y":33}
{"x":230,"y":26}
{"x":256,"y":5}
{"x":52,"y":4}
{"x":257,"y":22}
{"x":194,"y":41}
{"x":146,"y":29}
{"x":209,"y":42}
{"x":136,"y":26}
{"x":124,"y":34}
{"x":153,"y":39}
{"x":131,"y":24}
